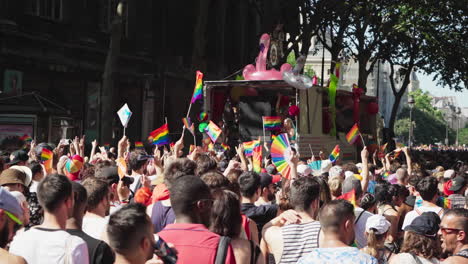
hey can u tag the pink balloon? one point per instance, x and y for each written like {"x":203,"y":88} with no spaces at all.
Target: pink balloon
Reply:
{"x":259,"y":71}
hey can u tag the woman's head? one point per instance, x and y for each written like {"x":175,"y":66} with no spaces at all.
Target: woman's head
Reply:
{"x":385,"y":193}
{"x":288,"y":123}
{"x":377,"y":228}
{"x":226,"y":219}
{"x":421,"y":245}
{"x":368,"y":202}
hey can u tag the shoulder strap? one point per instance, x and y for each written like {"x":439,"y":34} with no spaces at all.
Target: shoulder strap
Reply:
{"x":223,"y":246}
{"x":359,"y":216}
{"x":441,"y":212}
{"x":252,"y":252}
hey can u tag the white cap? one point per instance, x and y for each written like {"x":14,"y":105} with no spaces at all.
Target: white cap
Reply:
{"x":379,"y":223}
{"x":448,"y":174}
{"x":304,"y":170}
{"x":348,"y":174}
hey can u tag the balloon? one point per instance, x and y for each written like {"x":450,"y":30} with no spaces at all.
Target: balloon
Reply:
{"x":202,"y":126}
{"x":203,"y":117}
{"x":372,"y":108}
{"x":259,"y":71}
{"x":293,"y":110}
{"x":299,"y":81}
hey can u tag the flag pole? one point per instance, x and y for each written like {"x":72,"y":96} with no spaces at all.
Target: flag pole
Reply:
{"x":263,"y":128}
{"x":363,"y":143}
{"x":311,"y":151}
{"x":125,"y":127}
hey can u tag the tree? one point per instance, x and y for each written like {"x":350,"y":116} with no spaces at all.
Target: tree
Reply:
{"x":463,"y":136}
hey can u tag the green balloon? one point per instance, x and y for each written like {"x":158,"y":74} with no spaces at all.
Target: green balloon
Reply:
{"x":202,"y":127}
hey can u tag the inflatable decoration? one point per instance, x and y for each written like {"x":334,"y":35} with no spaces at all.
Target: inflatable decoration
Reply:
{"x":259,"y":71}
{"x":357,"y":92}
{"x":295,"y":79}
{"x":293,"y":110}
{"x":202,"y":126}
{"x":203,"y":117}
{"x":315,"y":80}
{"x":372,"y":108}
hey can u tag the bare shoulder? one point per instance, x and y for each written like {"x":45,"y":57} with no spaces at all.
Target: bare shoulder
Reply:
{"x":454,"y":260}
{"x":6,"y":257}
{"x":272,"y":233}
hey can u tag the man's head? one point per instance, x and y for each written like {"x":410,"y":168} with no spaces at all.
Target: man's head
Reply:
{"x":454,"y":230}
{"x":337,"y":217}
{"x":98,"y":196}
{"x":10,"y":212}
{"x":267,"y":185}
{"x":13,"y":180}
{"x":130,"y":233}
{"x":55,"y":194}
{"x":191,"y":198}
{"x":80,"y":197}
{"x":351,"y":183}
{"x":138,"y":160}
{"x":205,"y":163}
{"x":427,"y":188}
{"x":178,"y":168}
{"x":36,"y":171}
{"x":304,"y":195}
{"x":249,"y":183}
{"x":19,"y":157}
{"x":458,"y":185}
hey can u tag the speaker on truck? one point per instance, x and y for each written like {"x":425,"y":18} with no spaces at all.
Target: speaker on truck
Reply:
{"x":251,"y":110}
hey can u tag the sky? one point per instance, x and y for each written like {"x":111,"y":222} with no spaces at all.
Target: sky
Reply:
{"x":427,"y":84}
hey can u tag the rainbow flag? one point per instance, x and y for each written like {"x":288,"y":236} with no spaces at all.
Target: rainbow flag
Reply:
{"x":349,"y":196}
{"x":139,"y":145}
{"x":335,"y":153}
{"x":271,"y":122}
{"x":353,"y":134}
{"x":225,"y":146}
{"x":197,"y":93}
{"x":445,"y":202}
{"x":213,"y":131}
{"x":46,"y":154}
{"x":160,"y":136}
{"x":257,"y":158}
{"x":385,"y":175}
{"x":107,"y":146}
{"x":26,"y":138}
{"x":249,"y":147}
{"x":188,"y":125}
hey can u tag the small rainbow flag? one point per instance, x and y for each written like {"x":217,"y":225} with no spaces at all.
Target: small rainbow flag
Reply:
{"x":353,"y":134}
{"x":107,"y":146}
{"x":139,"y":145}
{"x":257,"y":158}
{"x":46,"y":154}
{"x":213,"y":131}
{"x":271,"y":122}
{"x":349,"y":196}
{"x":225,"y":146}
{"x":335,"y":153}
{"x":197,"y":93}
{"x":249,"y":147}
{"x":385,"y":175}
{"x":445,"y":202}
{"x":188,"y":124}
{"x":160,"y":136}
{"x":26,"y":138}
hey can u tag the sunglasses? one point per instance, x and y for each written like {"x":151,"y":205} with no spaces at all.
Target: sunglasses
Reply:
{"x":447,"y":230}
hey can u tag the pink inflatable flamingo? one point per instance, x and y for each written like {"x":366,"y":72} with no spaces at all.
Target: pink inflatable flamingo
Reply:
{"x":259,"y":72}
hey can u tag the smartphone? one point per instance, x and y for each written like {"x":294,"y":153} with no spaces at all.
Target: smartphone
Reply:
{"x":163,"y":251}
{"x":64,"y":141}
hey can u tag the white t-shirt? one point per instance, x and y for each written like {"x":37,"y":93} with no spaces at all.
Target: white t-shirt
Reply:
{"x":94,"y":226}
{"x":49,"y":246}
{"x":360,"y":226}
{"x":33,"y":187}
{"x":409,"y":217}
{"x":136,"y":181}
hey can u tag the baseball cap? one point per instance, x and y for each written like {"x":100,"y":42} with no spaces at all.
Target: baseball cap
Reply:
{"x":11,"y":205}
{"x":26,"y":171}
{"x":379,"y":223}
{"x":12,"y":176}
{"x":458,"y":183}
{"x":427,"y":224}
{"x":18,"y":156}
{"x":448,"y":174}
{"x":109,"y":174}
{"x":266,"y":179}
{"x":73,"y":167}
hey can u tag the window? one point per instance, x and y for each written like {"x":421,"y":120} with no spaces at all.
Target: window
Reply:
{"x":51,"y":9}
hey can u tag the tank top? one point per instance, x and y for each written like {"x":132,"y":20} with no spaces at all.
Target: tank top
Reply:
{"x":161,"y":216}
{"x":298,"y":240}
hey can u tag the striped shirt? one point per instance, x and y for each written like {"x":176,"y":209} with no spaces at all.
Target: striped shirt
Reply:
{"x":299,"y":240}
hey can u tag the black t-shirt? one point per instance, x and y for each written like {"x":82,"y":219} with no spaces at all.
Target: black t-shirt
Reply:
{"x":99,"y":251}
{"x":260,"y":214}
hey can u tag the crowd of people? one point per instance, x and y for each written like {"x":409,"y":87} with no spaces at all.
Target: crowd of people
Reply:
{"x":125,"y":205}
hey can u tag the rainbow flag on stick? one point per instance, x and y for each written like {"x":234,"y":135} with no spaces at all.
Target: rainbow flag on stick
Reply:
{"x":349,"y":196}
{"x":26,"y":138}
{"x":160,"y":136}
{"x":257,"y":158}
{"x":445,"y":202}
{"x":353,"y":134}
{"x":47,"y":157}
{"x":249,"y":147}
{"x":335,"y":153}
{"x":225,"y":146}
{"x":213,"y":131}
{"x":197,"y":93}
{"x":271,"y":122}
{"x":188,"y":125}
{"x":139,"y":145}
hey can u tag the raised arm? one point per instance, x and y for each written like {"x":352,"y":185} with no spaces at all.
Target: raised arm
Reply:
{"x":365,"y":169}
{"x":408,"y":160}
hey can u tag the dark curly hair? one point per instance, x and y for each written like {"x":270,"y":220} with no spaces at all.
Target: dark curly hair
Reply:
{"x":421,"y":245}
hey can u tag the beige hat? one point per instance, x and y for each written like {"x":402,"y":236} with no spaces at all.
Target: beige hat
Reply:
{"x":12,"y":176}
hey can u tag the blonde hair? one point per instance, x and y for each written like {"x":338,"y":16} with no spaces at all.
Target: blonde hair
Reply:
{"x":374,"y":242}
{"x":335,"y":186}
